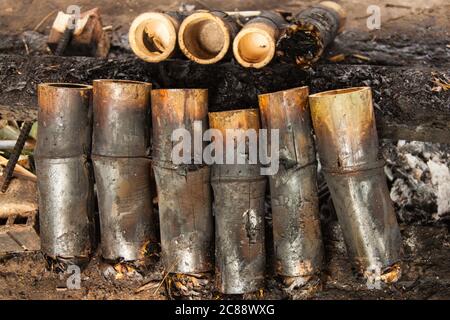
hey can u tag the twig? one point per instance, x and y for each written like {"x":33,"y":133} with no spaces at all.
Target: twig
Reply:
{"x":8,"y":174}
{"x":165,"y":277}
{"x":392,"y":5}
{"x":43,"y":20}
{"x":19,"y":171}
{"x":396,"y":18}
{"x":361,"y":57}
{"x":147,"y":286}
{"x":26,"y":46}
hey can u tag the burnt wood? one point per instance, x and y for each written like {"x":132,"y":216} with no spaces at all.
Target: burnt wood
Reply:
{"x":406,"y":107}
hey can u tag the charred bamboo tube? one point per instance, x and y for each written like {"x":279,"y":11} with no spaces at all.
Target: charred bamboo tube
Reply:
{"x":239,"y":191}
{"x":207,"y":37}
{"x":153,"y":35}
{"x":64,"y":120}
{"x":122,"y":170}
{"x":127,"y":223}
{"x":66,"y":208}
{"x":121,"y":118}
{"x":313,"y":30}
{"x":295,"y":206}
{"x":184,"y":192}
{"x":65,"y":179}
{"x":344,"y":123}
{"x":255,"y":45}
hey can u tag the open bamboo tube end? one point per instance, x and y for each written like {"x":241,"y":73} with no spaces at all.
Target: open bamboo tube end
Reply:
{"x":153,"y":36}
{"x":254,"y":46}
{"x":204,"y":38}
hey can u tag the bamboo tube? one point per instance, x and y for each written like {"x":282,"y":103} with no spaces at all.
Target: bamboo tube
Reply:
{"x":314,"y":28}
{"x":65,"y":179}
{"x":64,"y":120}
{"x":153,"y":35}
{"x":121,"y":118}
{"x":239,"y":191}
{"x":295,"y":206}
{"x":206,"y":37}
{"x":184,"y":192}
{"x":344,"y":123}
{"x":121,"y":139}
{"x":254,"y":46}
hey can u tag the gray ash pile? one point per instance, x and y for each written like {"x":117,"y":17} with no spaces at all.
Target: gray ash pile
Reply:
{"x":420,"y":180}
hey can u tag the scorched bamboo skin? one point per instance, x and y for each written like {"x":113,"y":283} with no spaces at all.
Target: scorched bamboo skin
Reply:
{"x":295,"y":208}
{"x":313,"y":30}
{"x":344,"y":123}
{"x":65,"y":178}
{"x":65,"y":120}
{"x":122,"y":168}
{"x":184,"y":191}
{"x":127,"y":222}
{"x":239,"y":192}
{"x":121,"y":118}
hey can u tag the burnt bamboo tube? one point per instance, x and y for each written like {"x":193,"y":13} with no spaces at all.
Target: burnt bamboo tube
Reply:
{"x":65,"y":178}
{"x":206,"y":37}
{"x":344,"y":123}
{"x":122,"y":168}
{"x":297,"y":236}
{"x":153,"y":35}
{"x":239,"y":191}
{"x":184,"y":191}
{"x":121,"y":118}
{"x":255,"y":45}
{"x":314,"y":29}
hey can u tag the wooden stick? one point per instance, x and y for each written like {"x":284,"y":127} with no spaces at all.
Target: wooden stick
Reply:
{"x":44,"y":20}
{"x":19,"y":171}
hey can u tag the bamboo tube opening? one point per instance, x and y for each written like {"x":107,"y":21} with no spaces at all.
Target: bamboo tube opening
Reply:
{"x":173,"y":91}
{"x":204,"y":38}
{"x":153,"y":36}
{"x":121,"y":82}
{"x":299,"y":90}
{"x":339,"y":92}
{"x":66,"y":86}
{"x":254,"y":47}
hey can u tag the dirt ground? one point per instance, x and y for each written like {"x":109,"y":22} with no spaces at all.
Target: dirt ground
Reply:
{"x":425,"y":274}
{"x":426,"y":241}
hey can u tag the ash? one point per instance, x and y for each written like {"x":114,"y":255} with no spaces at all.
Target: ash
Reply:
{"x":419,"y":178}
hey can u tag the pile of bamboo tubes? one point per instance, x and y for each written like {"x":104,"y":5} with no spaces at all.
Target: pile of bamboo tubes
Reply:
{"x":212,"y":215}
{"x":255,"y":38}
